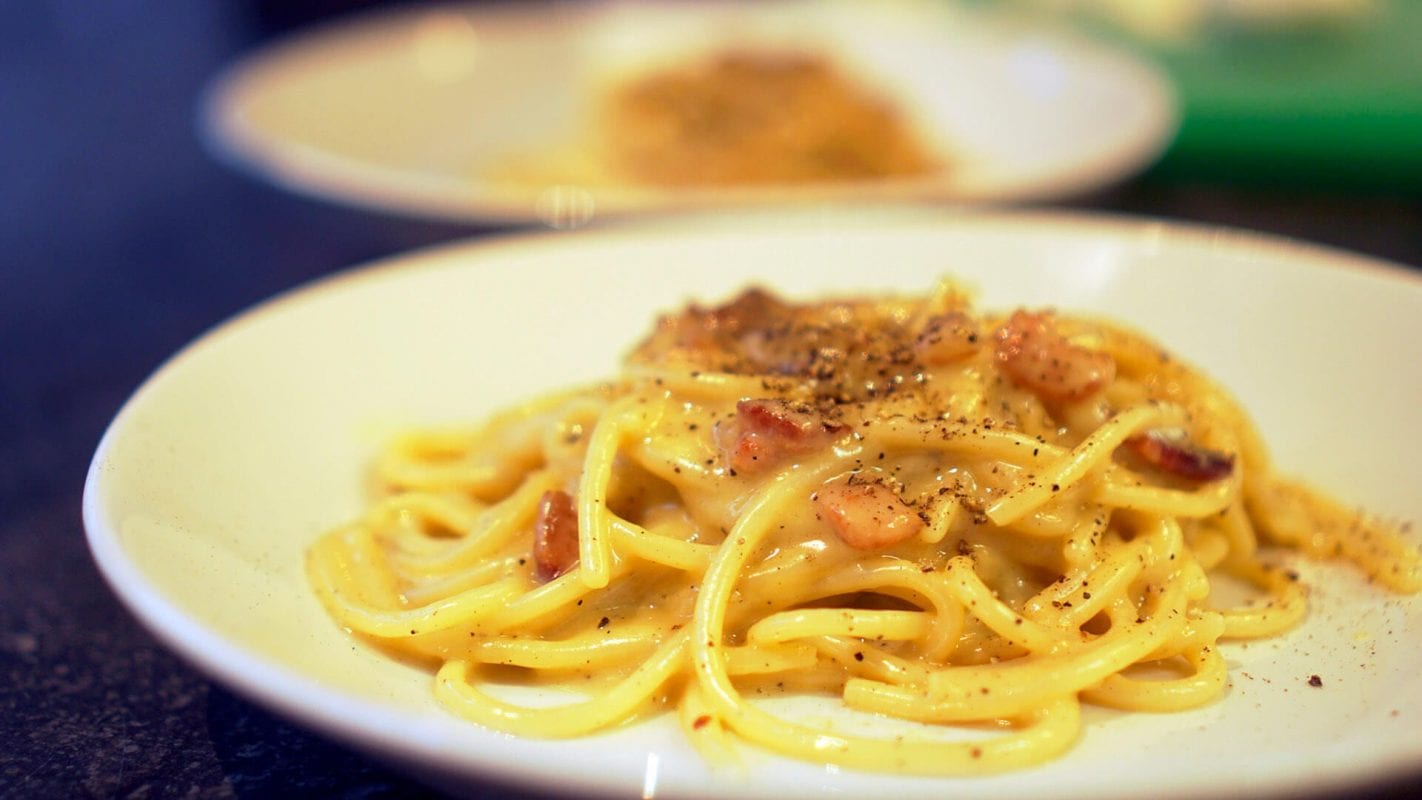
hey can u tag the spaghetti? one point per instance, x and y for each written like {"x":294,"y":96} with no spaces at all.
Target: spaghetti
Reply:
{"x":972,"y":523}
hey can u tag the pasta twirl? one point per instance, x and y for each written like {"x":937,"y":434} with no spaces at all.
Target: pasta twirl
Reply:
{"x":973,"y":523}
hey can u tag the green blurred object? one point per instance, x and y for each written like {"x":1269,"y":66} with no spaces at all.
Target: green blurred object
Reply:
{"x":1336,"y":105}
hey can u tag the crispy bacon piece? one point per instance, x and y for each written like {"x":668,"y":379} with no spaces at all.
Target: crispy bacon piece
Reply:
{"x":865,"y":514}
{"x":555,"y":535}
{"x":766,"y":431}
{"x":752,"y":309}
{"x":1172,"y":451}
{"x":946,"y":338}
{"x":841,"y":350}
{"x":718,"y":330}
{"x":1038,"y":358}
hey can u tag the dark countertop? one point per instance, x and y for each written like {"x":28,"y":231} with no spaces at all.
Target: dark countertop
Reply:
{"x":121,"y":241}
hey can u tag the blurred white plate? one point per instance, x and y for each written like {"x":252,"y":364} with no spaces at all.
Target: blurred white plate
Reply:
{"x":227,"y":464}
{"x":416,"y":110}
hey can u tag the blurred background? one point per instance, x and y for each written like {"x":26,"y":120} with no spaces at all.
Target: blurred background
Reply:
{"x":122,"y":237}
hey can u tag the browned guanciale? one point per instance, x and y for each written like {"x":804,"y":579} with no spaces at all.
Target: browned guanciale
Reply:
{"x":1037,"y":357}
{"x":1172,"y":451}
{"x":865,"y":514}
{"x":765,"y":432}
{"x":555,"y":535}
{"x":716,"y":331}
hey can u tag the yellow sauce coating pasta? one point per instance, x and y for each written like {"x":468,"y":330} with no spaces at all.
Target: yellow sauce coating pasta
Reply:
{"x":973,"y":523}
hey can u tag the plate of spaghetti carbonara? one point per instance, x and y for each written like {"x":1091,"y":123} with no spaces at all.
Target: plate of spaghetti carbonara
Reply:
{"x":560,"y":113}
{"x":786,"y":504}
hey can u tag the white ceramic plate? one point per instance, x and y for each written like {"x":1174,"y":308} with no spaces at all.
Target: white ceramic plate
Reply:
{"x":227,"y":464}
{"x":417,"y":110}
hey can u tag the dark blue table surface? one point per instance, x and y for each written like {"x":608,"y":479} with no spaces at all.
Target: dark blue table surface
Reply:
{"x":120,"y":240}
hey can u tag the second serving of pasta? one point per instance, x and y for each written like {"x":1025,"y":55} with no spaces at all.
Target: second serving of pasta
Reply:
{"x":974,"y":523}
